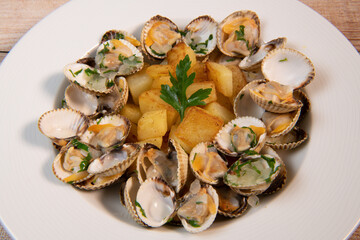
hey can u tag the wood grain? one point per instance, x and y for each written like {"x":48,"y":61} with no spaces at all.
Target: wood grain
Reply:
{"x":17,"y":17}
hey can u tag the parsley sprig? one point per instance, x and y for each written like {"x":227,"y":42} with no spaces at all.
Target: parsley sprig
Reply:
{"x":176,"y":95}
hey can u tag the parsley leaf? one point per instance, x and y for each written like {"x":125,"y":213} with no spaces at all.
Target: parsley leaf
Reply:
{"x":176,"y":95}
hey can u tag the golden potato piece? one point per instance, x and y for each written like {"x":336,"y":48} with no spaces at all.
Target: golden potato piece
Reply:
{"x":152,"y":124}
{"x":150,"y":101}
{"x":222,"y":76}
{"x":239,"y":80}
{"x":132,"y":112}
{"x":216,"y":109}
{"x":157,"y":71}
{"x":224,"y":101}
{"x":156,"y":141}
{"x":138,"y":83}
{"x":197,"y":126}
{"x":178,"y":52}
{"x":203,"y":85}
{"x":200,"y":72}
{"x":157,"y":82}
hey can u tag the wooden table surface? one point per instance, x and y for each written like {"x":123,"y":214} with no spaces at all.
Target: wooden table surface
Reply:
{"x":17,"y":17}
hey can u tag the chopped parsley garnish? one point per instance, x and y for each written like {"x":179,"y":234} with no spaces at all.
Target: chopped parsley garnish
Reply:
{"x":199,"y":202}
{"x":63,"y":103}
{"x":210,"y":146}
{"x":283,"y":60}
{"x":176,"y":95}
{"x":198,"y":47}
{"x":90,"y":72}
{"x":230,"y":60}
{"x":119,"y":36}
{"x":72,"y":72}
{"x":78,"y":72}
{"x":241,"y":96}
{"x":141,"y":209}
{"x":77,"y":83}
{"x":182,"y":33}
{"x":70,"y":182}
{"x":110,"y":83}
{"x":240,"y":36}
{"x":105,"y":49}
{"x":98,"y":121}
{"x":270,"y":102}
{"x":194,"y":157}
{"x":79,"y":145}
{"x":156,"y":53}
{"x":255,"y":168}
{"x":193,"y":223}
{"x":254,"y":140}
{"x":132,"y":60}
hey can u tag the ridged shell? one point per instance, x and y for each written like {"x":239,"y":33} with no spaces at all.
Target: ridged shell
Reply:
{"x":144,"y":33}
{"x":221,"y":35}
{"x":119,"y":70}
{"x":258,"y":188}
{"x":305,"y":100}
{"x":274,"y":106}
{"x":210,"y":219}
{"x":223,"y":141}
{"x":130,"y":191}
{"x":254,"y":61}
{"x":80,"y":74}
{"x":115,"y":161}
{"x":176,"y":151}
{"x":288,"y":67}
{"x":243,"y":103}
{"x":62,"y":174}
{"x":225,"y":193}
{"x":155,"y":202}
{"x":206,"y":27}
{"x":98,"y":181}
{"x":116,"y":120}
{"x":288,"y":141}
{"x":295,"y":117}
{"x":280,"y":180}
{"x":120,"y":34}
{"x":62,"y":125}
{"x":203,"y":147}
{"x":81,"y":101}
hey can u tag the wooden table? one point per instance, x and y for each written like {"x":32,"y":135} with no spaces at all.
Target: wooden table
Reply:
{"x":17,"y":17}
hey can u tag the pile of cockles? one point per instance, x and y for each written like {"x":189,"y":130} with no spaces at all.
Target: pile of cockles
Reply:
{"x":223,"y":176}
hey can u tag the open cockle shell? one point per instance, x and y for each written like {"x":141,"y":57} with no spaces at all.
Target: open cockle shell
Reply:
{"x":223,"y":141}
{"x":206,"y":164}
{"x":171,"y":167}
{"x":200,"y":35}
{"x":118,"y":58}
{"x":98,"y":181}
{"x":107,"y":132}
{"x":288,"y":67}
{"x":88,"y":78}
{"x":243,"y":103}
{"x":278,"y":124}
{"x":155,"y":202}
{"x":269,"y":104}
{"x":201,"y":202}
{"x":81,"y":101}
{"x":178,"y":154}
{"x":69,"y":165}
{"x":253,"y":61}
{"x":253,"y":174}
{"x":120,"y":34}
{"x":131,"y":188}
{"x":165,"y":33}
{"x":115,"y":161}
{"x":231,"y":204}
{"x":280,"y":180}
{"x":62,"y":125}
{"x":288,"y":141}
{"x":234,"y":41}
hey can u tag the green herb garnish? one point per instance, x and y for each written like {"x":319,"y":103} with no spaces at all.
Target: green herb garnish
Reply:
{"x":63,"y":103}
{"x":283,"y":60}
{"x":72,"y":72}
{"x":119,"y":36}
{"x":156,"y":53}
{"x":110,"y":83}
{"x":210,"y":146}
{"x":254,"y":140}
{"x":176,"y":95}
{"x":199,"y":203}
{"x":193,"y":223}
{"x":240,"y":36}
{"x":105,"y":49}
{"x":182,"y":33}
{"x":98,"y":121}
{"x":79,"y":145}
{"x":270,"y":102}
{"x":241,"y":96}
{"x":141,"y":209}
{"x":230,"y":60}
{"x":90,"y":72}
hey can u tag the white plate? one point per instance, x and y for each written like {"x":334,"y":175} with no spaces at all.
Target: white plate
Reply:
{"x":321,"y":199}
